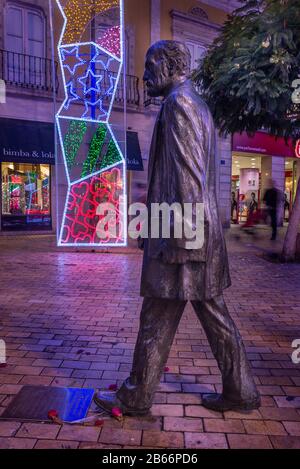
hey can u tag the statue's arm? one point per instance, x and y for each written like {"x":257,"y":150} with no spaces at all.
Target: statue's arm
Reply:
{"x":186,"y":153}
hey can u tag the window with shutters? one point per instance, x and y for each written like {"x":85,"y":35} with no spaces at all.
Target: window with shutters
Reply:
{"x":25,"y":44}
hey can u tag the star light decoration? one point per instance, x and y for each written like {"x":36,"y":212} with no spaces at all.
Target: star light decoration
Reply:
{"x":88,"y":79}
{"x":94,"y":163}
{"x":72,"y":95}
{"x":91,"y":78}
{"x":70,"y":53}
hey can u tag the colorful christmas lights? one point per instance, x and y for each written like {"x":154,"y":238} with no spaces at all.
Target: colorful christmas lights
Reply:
{"x":111,"y":41}
{"x":79,"y":14}
{"x":94,"y":151}
{"x":112,"y":156}
{"x":94,"y":163}
{"x":90,"y":83}
{"x":81,"y":220}
{"x":73,"y":140}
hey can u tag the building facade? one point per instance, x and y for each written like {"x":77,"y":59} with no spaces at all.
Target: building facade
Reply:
{"x":28,"y":173}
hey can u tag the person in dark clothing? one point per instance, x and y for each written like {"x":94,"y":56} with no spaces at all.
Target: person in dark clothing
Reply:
{"x":253,"y":205}
{"x":271,"y":200}
{"x":233,"y":206}
{"x":286,"y":207}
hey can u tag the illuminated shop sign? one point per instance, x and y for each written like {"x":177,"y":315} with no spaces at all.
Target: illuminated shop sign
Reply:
{"x":26,"y":141}
{"x":264,"y":144}
{"x":297,"y":150}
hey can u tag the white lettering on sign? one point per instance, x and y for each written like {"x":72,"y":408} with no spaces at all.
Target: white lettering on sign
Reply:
{"x":2,"y":92}
{"x":26,"y":154}
{"x":296,"y":353}
{"x":296,"y":93}
{"x":2,"y":352}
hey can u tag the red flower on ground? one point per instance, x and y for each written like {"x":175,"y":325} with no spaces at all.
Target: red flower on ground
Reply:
{"x":53,"y":414}
{"x":113,"y":387}
{"x":116,"y":412}
{"x":99,"y":423}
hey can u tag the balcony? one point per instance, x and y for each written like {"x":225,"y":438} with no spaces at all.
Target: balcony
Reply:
{"x":148,"y":101}
{"x":27,"y":71}
{"x":132,"y":88}
{"x":35,"y":73}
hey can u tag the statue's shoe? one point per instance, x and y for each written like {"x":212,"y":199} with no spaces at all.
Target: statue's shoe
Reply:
{"x":108,"y":401}
{"x":219,"y":403}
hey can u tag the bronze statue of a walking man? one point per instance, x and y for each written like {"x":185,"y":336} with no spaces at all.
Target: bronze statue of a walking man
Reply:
{"x":182,"y":170}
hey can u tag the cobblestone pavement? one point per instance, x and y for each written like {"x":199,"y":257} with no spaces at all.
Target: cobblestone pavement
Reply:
{"x":71,"y":319}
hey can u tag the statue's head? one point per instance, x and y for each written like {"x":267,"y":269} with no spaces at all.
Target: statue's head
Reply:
{"x":167,"y":63}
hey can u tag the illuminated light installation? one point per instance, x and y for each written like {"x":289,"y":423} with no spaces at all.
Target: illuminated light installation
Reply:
{"x":93,"y":161}
{"x":297,"y":150}
{"x":79,"y":13}
{"x":111,"y":41}
{"x":82,"y":222}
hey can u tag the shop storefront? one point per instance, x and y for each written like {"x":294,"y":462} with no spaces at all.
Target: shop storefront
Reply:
{"x":258,"y":162}
{"x":27,"y":162}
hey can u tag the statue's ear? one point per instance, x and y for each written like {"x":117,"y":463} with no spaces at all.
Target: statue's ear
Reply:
{"x":172,"y":68}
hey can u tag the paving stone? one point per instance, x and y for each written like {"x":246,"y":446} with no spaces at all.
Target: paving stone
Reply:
{"x":264,"y":427}
{"x":38,"y":430}
{"x":8,"y":428}
{"x":56,"y":444}
{"x":79,"y":433}
{"x":170,"y":410}
{"x":160,"y":439}
{"x":285,"y":442}
{"x":185,"y":424}
{"x":293,"y":428}
{"x":17,"y":443}
{"x":249,"y":441}
{"x":121,"y":436}
{"x":205,"y":441}
{"x":223,"y":426}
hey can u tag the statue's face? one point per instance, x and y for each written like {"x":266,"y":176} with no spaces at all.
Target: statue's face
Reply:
{"x":157,"y":76}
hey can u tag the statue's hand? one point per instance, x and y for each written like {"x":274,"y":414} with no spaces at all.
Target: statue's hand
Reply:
{"x":168,"y":256}
{"x":141,"y":243}
{"x":171,"y":255}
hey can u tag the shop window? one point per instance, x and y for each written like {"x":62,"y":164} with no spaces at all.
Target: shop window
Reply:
{"x":25,"y":197}
{"x":25,"y":44}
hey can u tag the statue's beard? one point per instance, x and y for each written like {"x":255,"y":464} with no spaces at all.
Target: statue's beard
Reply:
{"x":156,"y":87}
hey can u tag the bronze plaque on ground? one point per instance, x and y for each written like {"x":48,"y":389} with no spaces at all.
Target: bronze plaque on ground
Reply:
{"x":34,"y":403}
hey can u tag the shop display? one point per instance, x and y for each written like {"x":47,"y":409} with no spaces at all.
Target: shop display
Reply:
{"x":25,"y":196}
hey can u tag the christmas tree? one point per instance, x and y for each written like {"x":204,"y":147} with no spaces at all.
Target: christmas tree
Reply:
{"x":249,"y":77}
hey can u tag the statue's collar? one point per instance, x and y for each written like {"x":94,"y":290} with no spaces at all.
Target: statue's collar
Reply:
{"x":177,"y":86}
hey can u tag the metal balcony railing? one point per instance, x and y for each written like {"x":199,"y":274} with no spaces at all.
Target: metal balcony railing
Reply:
{"x":148,"y":101}
{"x":131,"y":90}
{"x":27,"y":71}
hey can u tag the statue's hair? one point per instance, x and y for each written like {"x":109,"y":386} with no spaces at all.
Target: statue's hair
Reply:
{"x":176,"y":55}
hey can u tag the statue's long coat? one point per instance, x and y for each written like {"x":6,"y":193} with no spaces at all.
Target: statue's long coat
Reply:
{"x":182,"y":169}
